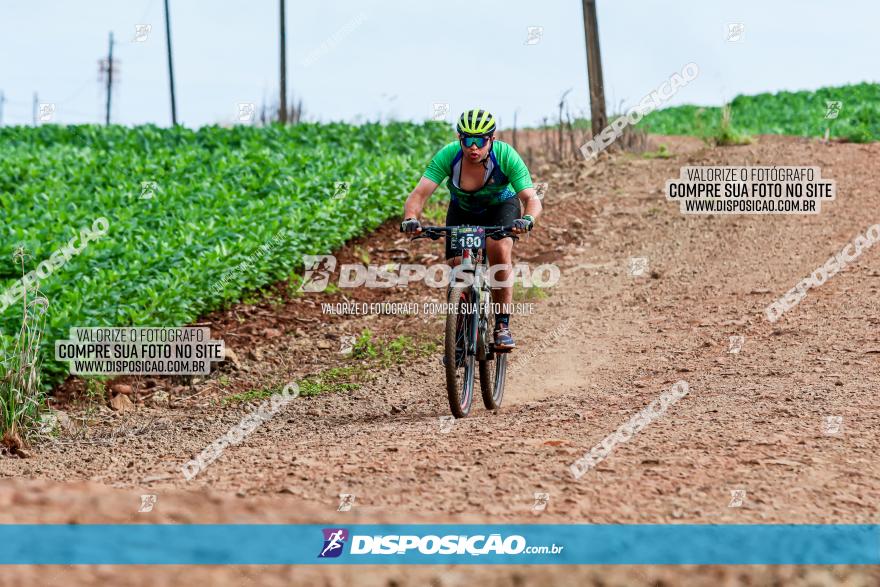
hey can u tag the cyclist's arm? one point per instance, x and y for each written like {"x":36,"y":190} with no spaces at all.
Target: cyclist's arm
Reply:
{"x":416,"y":200}
{"x":436,"y":172}
{"x":530,"y":202}
{"x":520,"y":180}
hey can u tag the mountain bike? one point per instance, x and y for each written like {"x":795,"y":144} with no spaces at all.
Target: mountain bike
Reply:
{"x":470,"y":317}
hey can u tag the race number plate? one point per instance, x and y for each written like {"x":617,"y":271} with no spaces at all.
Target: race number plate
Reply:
{"x":467,"y":237}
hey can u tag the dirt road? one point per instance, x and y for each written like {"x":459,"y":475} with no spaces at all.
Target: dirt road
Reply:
{"x":789,"y":423}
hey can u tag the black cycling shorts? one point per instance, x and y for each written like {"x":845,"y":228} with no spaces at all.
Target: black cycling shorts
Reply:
{"x":502,"y":214}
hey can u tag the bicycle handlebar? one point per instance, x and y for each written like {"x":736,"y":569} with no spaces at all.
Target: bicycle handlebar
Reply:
{"x":493,"y":232}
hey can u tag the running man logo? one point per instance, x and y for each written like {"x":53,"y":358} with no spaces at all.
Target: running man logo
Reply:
{"x":638,"y":266}
{"x":832,"y":109}
{"x":737,"y":496}
{"x":439,"y":110}
{"x":149,"y":189}
{"x":346,"y":500}
{"x":47,"y":111}
{"x":541,"y":189}
{"x":534,"y":34}
{"x":334,"y":541}
{"x":246,"y":111}
{"x":141,"y":32}
{"x":735,"y":32}
{"x":541,"y":501}
{"x":147,"y":503}
{"x":317,"y":273}
{"x":831,"y":424}
{"x":446,"y":423}
{"x":346,"y":344}
{"x":736,"y":344}
{"x":340,"y":189}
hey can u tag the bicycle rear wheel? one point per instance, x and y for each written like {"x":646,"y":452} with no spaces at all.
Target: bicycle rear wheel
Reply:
{"x":492,"y":374}
{"x":459,"y":364}
{"x":492,"y":371}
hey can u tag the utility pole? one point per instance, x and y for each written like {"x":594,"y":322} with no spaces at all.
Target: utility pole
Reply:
{"x":282,"y":112}
{"x":599,"y":119}
{"x":2,"y":100}
{"x":170,"y":65}
{"x":36,"y":107}
{"x":109,"y":79}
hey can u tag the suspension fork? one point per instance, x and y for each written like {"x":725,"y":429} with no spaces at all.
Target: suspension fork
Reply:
{"x":474,"y":334}
{"x":478,"y":338}
{"x":473,"y":314}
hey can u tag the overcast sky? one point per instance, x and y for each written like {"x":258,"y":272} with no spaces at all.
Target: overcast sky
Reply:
{"x":380,"y":59}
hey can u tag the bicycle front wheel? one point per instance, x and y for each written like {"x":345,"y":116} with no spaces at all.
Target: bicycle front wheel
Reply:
{"x":459,"y":363}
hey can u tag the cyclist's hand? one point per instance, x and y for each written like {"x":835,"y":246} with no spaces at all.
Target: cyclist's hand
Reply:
{"x":410,"y":226}
{"x":523,"y":224}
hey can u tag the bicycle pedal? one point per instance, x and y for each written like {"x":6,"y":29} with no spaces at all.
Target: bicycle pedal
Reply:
{"x":499,"y":351}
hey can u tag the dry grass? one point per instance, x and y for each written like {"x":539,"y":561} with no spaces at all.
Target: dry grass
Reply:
{"x":21,"y":394}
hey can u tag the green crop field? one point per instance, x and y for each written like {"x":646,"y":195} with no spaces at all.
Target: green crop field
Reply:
{"x":232,"y":209}
{"x":785,"y":113}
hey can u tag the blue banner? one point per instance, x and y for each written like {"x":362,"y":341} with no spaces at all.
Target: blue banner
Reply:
{"x":545,"y":544}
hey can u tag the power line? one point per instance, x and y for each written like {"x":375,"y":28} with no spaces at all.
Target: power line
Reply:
{"x":146,"y":12}
{"x":78,"y":91}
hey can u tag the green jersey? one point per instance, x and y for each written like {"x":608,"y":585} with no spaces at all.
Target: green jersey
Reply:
{"x":506,"y":175}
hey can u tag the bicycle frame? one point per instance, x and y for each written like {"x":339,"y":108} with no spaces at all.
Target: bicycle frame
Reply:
{"x":480,"y":293}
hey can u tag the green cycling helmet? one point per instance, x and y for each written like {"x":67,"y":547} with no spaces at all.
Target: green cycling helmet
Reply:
{"x":476,"y":122}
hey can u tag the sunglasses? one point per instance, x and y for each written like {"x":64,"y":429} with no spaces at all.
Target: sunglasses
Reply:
{"x":480,"y":142}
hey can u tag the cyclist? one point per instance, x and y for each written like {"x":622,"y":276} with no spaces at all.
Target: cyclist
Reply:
{"x":487,"y":180}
